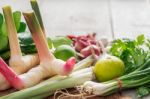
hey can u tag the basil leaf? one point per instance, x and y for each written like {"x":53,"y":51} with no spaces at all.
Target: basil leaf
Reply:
{"x":1,"y":20}
{"x":4,"y":29}
{"x":143,"y":91}
{"x":17,"y":18}
{"x":22,"y":27}
{"x":3,"y":43}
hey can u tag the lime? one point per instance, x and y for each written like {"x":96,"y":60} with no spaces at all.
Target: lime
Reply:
{"x":64,"y":52}
{"x":108,"y":68}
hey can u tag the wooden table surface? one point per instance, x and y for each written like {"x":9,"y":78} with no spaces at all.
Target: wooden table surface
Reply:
{"x":109,"y":18}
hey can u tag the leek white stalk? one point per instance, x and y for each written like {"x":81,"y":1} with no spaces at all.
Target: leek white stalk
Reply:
{"x":17,"y":62}
{"x":75,"y":79}
{"x":131,"y":80}
{"x":97,"y":88}
{"x":49,"y":65}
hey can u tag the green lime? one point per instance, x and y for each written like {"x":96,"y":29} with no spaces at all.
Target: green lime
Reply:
{"x":64,"y":52}
{"x":108,"y":68}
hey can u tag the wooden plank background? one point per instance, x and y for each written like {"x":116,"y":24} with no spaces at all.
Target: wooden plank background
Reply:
{"x":110,"y":18}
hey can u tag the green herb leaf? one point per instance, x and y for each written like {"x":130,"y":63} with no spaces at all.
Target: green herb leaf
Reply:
{"x":140,"y":39}
{"x":130,"y":51}
{"x":148,"y":43}
{"x":17,"y":19}
{"x":25,"y":38}
{"x":4,"y":29}
{"x":1,"y":20}
{"x":143,"y":91}
{"x":4,"y":44}
{"x":49,"y":41}
{"x":22,"y":27}
{"x":28,"y":49}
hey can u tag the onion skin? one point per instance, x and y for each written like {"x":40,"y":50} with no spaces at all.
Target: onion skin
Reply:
{"x":87,"y":51}
{"x":87,"y":45}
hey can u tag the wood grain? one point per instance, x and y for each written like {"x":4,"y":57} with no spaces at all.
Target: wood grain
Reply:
{"x":130,"y":18}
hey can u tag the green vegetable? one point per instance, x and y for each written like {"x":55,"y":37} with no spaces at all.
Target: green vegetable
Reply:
{"x":36,"y":9}
{"x":130,"y":51}
{"x":1,"y":20}
{"x":27,"y":44}
{"x":3,"y":29}
{"x":28,"y":49}
{"x":143,"y":91}
{"x":64,"y":52}
{"x":4,"y":43}
{"x":71,"y":81}
{"x":108,"y":68}
{"x":17,"y":19}
{"x":5,"y":55}
{"x":22,"y":27}
{"x":61,"y":40}
{"x":25,"y":38}
{"x":48,"y":86}
{"x":137,"y":68}
{"x":131,"y":80}
{"x":3,"y":35}
{"x":49,"y":41}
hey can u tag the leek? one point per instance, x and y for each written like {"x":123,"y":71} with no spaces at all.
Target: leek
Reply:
{"x":45,"y":88}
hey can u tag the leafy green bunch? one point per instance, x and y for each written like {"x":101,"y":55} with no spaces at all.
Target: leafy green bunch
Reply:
{"x":133,"y":52}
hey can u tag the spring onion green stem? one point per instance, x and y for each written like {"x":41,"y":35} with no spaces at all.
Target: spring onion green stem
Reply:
{"x":36,"y":9}
{"x":130,"y":80}
{"x":39,"y":89}
{"x":74,"y":79}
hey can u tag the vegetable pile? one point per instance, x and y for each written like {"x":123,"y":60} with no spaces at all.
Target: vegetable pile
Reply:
{"x":37,"y":66}
{"x":135,"y":54}
{"x":87,"y":45}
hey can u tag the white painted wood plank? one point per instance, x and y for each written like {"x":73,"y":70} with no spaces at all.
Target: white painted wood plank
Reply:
{"x":76,"y":17}
{"x":63,"y":17}
{"x":130,"y":18}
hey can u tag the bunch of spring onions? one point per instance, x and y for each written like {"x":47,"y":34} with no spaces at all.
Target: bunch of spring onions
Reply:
{"x":139,"y":77}
{"x":81,"y":73}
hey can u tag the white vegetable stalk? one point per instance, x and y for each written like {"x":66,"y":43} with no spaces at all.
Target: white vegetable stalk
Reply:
{"x":17,"y":62}
{"x":49,"y":65}
{"x":97,"y":88}
{"x":75,"y":79}
{"x":87,"y":62}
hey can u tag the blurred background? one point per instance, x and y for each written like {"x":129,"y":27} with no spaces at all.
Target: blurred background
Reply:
{"x":110,"y":18}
